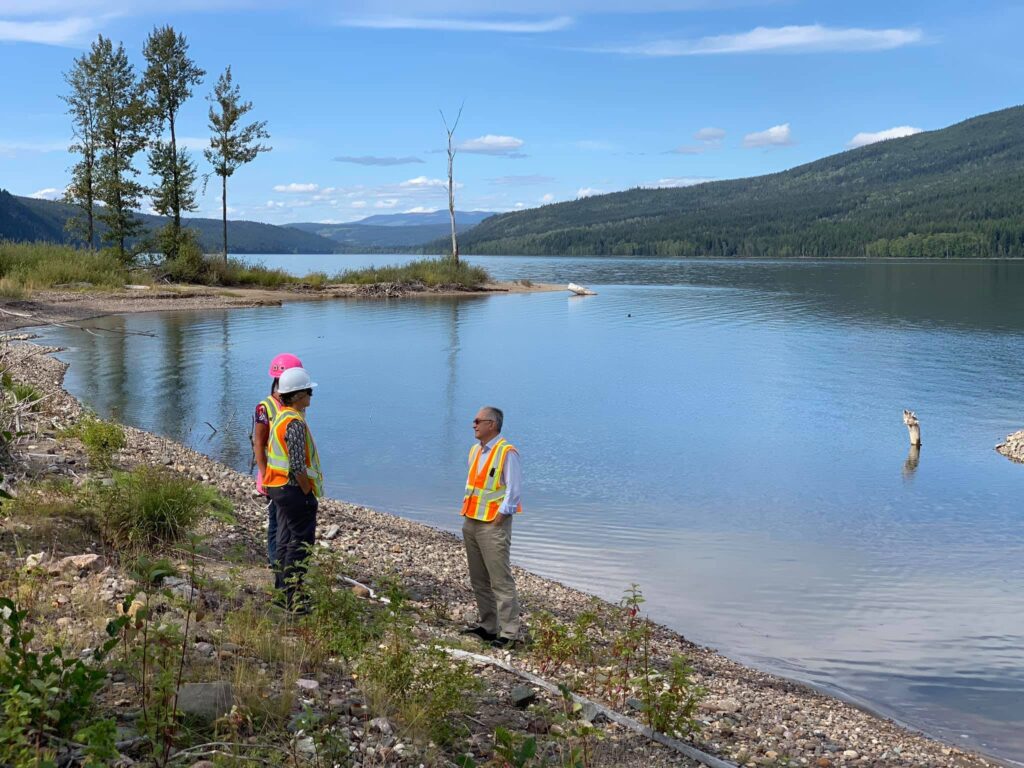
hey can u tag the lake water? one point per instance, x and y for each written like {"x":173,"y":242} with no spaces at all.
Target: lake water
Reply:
{"x":726,"y":434}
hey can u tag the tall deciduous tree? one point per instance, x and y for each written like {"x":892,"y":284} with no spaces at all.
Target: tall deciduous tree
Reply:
{"x":168,"y":81}
{"x":232,"y":145}
{"x":123,"y":131}
{"x":451,"y":183}
{"x":82,"y":104}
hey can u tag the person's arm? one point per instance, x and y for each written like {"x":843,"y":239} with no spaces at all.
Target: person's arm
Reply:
{"x":260,"y":437}
{"x":512,"y":478}
{"x":295,"y":437}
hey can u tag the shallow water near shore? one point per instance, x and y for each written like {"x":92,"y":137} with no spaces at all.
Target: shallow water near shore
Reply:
{"x":727,"y":435}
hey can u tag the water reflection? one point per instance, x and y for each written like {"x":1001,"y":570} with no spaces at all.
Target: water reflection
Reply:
{"x":912,"y":460}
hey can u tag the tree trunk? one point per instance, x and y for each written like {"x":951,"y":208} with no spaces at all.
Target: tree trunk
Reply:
{"x":224,"y":208}
{"x":175,"y":200}
{"x":451,"y":201}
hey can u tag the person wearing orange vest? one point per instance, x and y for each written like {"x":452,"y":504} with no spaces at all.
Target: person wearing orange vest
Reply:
{"x":294,"y":481}
{"x":492,"y":497}
{"x":263,"y":417}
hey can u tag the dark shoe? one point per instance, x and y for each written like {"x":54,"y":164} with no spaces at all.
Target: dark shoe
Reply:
{"x":480,"y":632}
{"x":503,"y":643}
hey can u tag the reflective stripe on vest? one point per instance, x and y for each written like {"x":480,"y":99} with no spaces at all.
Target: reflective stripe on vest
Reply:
{"x":484,"y":488}
{"x":277,"y":453}
{"x":272,"y":408}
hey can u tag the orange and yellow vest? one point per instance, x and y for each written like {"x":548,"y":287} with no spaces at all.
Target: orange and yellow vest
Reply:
{"x":484,"y":489}
{"x":277,"y":453}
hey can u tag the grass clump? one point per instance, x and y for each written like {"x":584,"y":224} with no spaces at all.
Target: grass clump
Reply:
{"x":28,"y":266}
{"x":148,"y":508}
{"x":428,"y":272}
{"x":101,"y":439}
{"x":422,"y":688}
{"x":192,"y":266}
{"x":22,"y":392}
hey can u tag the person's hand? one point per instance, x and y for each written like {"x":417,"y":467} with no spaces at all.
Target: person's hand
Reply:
{"x":259,"y":485}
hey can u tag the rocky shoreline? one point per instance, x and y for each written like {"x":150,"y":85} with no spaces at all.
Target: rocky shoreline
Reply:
{"x":1013,"y":447}
{"x":749,"y":717}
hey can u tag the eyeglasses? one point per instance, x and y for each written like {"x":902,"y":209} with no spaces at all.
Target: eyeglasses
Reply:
{"x":478,"y":421}
{"x":308,"y":392}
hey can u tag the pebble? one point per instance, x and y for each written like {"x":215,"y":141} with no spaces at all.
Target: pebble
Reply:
{"x":309,"y":686}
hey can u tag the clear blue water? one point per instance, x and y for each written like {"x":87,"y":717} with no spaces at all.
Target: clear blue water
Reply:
{"x":726,"y":434}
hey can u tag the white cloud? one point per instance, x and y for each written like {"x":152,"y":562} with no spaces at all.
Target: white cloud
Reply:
{"x":864,"y":138}
{"x":507,"y":146}
{"x":519,"y":206}
{"x":50,"y":193}
{"x":12,"y":148}
{"x":388,"y":203}
{"x":811,"y":38}
{"x":776,"y":136}
{"x":710,"y":135}
{"x":295,"y":188}
{"x":587,"y":192}
{"x":547,"y":198}
{"x":552,"y":24}
{"x":422,"y":182}
{"x":421,"y":209}
{"x":675,"y":182}
{"x":48,"y":32}
{"x":358,"y":203}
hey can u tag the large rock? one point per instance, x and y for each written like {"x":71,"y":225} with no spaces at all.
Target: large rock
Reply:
{"x":87,"y":563}
{"x":206,"y":702}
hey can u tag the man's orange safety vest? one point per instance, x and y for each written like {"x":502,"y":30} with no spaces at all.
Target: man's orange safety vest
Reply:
{"x":484,"y":488}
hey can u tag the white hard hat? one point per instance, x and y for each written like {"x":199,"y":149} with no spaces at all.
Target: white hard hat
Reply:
{"x":293,"y":380}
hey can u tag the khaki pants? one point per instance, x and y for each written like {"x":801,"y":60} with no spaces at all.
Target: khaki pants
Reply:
{"x":490,"y":573}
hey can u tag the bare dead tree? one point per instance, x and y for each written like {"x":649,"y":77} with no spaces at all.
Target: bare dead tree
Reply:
{"x":451,"y":184}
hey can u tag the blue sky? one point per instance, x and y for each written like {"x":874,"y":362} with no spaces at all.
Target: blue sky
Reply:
{"x":561,"y":99}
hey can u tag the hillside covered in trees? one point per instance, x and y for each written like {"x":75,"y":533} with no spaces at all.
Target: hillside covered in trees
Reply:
{"x":955,"y":192}
{"x":28,"y":219}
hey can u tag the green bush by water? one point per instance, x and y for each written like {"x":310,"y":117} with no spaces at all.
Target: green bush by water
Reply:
{"x":28,"y":266}
{"x":429,"y":272}
{"x":101,"y":439}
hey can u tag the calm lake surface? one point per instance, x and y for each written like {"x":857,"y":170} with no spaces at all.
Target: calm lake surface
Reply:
{"x":728,"y":435}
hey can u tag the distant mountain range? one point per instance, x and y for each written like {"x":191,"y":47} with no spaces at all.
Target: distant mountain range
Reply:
{"x":398,"y":230}
{"x":27,"y":219}
{"x":955,"y":192}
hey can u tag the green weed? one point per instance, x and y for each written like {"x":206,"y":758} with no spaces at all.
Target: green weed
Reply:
{"x":428,"y":272}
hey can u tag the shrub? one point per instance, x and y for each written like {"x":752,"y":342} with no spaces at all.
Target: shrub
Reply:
{"x":340,"y":623}
{"x":150,"y":508}
{"x":101,"y":439}
{"x":420,"y":687}
{"x":428,"y":272}
{"x":191,"y":266}
{"x":43,"y":697}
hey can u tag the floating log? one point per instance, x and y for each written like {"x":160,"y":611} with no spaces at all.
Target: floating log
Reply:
{"x":913,"y":427}
{"x":579,"y":290}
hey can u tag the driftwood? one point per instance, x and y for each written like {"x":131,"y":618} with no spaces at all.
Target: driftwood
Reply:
{"x":580,"y":290}
{"x":913,"y":427}
{"x":627,"y":722}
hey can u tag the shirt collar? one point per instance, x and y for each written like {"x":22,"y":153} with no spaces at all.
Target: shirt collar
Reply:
{"x":490,"y":443}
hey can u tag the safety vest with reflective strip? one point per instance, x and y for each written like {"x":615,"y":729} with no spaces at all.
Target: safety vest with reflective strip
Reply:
{"x":277,"y":453}
{"x":484,"y":488}
{"x":272,"y":407}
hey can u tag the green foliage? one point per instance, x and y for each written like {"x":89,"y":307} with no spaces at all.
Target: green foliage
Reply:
{"x":517,"y":750}
{"x":670,"y":698}
{"x":149,"y":508}
{"x":21,"y":392}
{"x":557,"y":643}
{"x":41,"y":265}
{"x":150,"y":571}
{"x":948,"y":193}
{"x":429,"y":272}
{"x":101,"y":439}
{"x":330,"y":748}
{"x":340,"y":623}
{"x":421,"y":687}
{"x":43,"y":696}
{"x":168,"y":80}
{"x":123,"y":128}
{"x":191,"y":266}
{"x":85,"y":125}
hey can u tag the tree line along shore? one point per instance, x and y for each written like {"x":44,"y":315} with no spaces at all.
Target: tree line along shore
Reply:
{"x":134,"y":574}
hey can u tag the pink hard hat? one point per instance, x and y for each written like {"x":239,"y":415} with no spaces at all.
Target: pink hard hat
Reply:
{"x":282,"y":363}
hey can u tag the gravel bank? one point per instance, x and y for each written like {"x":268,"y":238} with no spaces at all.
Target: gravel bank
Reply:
{"x":1013,"y":447}
{"x":749,"y":716}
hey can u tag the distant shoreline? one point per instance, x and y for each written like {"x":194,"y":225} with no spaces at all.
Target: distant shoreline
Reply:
{"x":56,"y":307}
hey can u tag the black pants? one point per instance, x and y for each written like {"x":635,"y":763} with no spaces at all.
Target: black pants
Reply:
{"x":296,"y":533}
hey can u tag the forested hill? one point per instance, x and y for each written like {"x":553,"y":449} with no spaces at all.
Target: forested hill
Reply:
{"x":955,"y":192}
{"x":28,"y":219}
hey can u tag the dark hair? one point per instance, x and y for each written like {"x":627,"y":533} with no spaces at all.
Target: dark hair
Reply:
{"x":273,"y":385}
{"x":290,"y":397}
{"x":497,"y":414}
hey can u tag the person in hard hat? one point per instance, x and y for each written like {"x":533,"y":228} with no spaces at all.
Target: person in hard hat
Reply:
{"x":493,"y":492}
{"x":266,"y":412}
{"x":294,"y":481}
